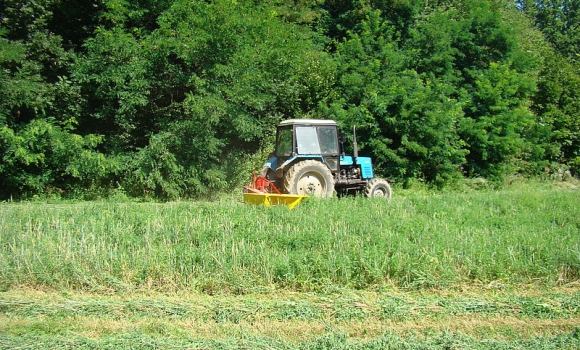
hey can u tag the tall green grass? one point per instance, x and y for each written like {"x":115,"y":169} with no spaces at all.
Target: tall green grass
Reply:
{"x":528,"y":234}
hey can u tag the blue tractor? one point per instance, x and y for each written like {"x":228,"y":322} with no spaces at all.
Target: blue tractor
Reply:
{"x":309,"y":160}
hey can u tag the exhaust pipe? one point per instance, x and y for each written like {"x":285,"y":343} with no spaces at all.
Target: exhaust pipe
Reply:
{"x":354,"y":145}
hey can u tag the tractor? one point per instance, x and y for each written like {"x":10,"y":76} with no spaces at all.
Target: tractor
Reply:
{"x":309,"y":161}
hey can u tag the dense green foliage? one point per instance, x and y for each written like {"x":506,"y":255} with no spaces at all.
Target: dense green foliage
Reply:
{"x":175,"y":98}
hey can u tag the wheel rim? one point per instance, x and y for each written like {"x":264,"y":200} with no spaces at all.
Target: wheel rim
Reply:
{"x":311,"y":184}
{"x":380,"y":192}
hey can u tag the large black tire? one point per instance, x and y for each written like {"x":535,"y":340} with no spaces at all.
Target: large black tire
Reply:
{"x":378,"y":188}
{"x":310,"y":178}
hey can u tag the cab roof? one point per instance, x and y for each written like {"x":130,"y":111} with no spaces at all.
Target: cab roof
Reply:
{"x":307,"y":122}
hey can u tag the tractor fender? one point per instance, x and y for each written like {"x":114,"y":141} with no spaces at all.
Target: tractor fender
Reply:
{"x":270,"y":164}
{"x":281,"y":170}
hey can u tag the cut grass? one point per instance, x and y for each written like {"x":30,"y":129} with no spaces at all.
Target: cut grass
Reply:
{"x":295,"y":319}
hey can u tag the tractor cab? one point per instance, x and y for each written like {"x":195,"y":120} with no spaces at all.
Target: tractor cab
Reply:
{"x":300,"y":139}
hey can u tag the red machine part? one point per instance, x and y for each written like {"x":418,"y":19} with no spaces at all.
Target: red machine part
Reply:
{"x":260,"y":184}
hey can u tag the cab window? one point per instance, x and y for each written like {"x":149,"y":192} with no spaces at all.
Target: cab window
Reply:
{"x":307,"y":140}
{"x":284,"y":142}
{"x":328,"y":140}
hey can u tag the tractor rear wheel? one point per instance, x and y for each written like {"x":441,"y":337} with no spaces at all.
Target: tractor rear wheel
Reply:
{"x":310,"y":178}
{"x":378,"y":188}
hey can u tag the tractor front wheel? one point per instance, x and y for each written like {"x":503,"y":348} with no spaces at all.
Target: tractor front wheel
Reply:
{"x":310,"y":178}
{"x":378,"y":188}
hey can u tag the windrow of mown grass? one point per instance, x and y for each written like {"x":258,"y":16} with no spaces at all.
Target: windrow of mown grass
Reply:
{"x":334,"y":308}
{"x":477,"y":319}
{"x":333,"y":341}
{"x":528,"y":234}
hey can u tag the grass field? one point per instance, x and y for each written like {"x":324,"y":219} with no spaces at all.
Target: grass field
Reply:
{"x":472,"y":269}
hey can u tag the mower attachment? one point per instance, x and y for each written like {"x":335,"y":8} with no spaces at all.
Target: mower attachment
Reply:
{"x":263,"y":191}
{"x":269,"y":199}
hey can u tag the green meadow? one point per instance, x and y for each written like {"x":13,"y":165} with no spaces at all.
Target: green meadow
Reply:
{"x":459,"y":269}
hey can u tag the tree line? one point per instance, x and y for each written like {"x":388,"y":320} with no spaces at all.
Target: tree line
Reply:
{"x":180,"y":98}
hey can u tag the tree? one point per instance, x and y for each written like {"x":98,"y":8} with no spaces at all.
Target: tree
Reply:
{"x":559,"y":20}
{"x":39,"y":109}
{"x":43,"y":158}
{"x":557,"y":104}
{"x":443,"y":90}
{"x":211,"y":81}
{"x":407,"y":119}
{"x":556,"y":101}
{"x":471,"y":46}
